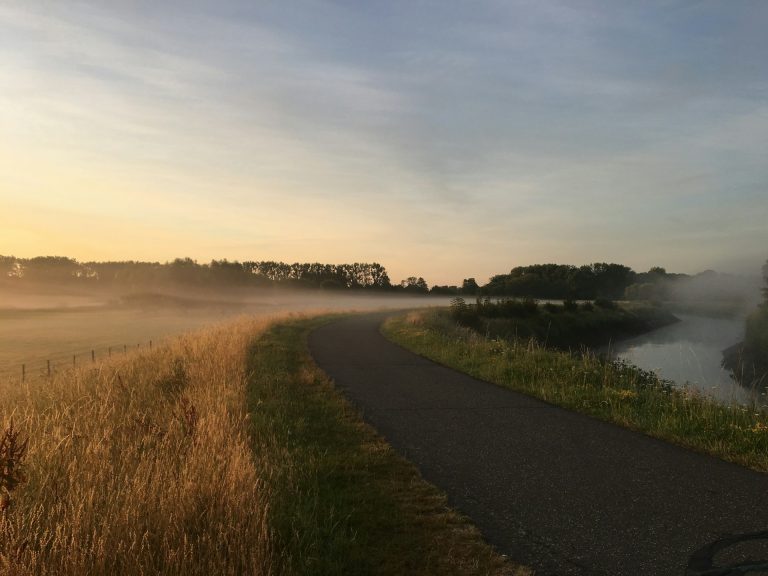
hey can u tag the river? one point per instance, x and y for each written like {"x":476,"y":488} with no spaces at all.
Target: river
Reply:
{"x":690,"y":351}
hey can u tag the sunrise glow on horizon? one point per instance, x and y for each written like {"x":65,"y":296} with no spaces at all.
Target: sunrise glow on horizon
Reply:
{"x":442,"y":139}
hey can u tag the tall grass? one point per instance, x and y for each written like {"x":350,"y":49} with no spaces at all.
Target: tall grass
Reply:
{"x":141,"y":465}
{"x":612,"y":391}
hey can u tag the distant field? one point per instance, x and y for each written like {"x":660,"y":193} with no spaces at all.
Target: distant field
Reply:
{"x":32,"y":337}
{"x":38,"y":328}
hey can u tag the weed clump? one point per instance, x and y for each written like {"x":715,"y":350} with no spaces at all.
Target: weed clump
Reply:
{"x":175,"y":380}
{"x":12,"y":453}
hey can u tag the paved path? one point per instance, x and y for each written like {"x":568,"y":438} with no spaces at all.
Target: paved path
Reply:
{"x":561,"y":492}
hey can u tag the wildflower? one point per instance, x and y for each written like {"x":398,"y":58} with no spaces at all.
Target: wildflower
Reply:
{"x":759,"y":427}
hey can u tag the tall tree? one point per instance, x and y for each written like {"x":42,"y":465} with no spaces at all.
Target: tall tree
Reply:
{"x":469,"y":286}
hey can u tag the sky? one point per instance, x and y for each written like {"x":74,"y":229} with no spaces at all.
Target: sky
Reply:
{"x":446,"y":139}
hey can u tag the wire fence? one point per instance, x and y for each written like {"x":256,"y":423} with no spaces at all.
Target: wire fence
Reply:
{"x":48,"y":366}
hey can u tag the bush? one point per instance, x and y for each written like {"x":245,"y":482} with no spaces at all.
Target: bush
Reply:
{"x":605,"y":303}
{"x":756,"y":338}
{"x":463,"y":313}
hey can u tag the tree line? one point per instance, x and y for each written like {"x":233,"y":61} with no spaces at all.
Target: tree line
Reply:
{"x":602,"y":280}
{"x":539,"y":281}
{"x":188,"y":272}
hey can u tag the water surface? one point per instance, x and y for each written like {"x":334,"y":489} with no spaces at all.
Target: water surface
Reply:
{"x":690,"y":352}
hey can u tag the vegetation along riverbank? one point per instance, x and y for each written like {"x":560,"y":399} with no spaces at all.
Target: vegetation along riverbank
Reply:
{"x":749,"y":359}
{"x":609,"y":390}
{"x":567,"y":325}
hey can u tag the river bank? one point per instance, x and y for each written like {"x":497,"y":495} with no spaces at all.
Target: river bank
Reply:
{"x":615,"y":391}
{"x":564,"y":326}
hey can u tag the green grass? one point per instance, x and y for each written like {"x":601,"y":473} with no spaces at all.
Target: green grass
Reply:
{"x":342,"y":502}
{"x":611,"y":391}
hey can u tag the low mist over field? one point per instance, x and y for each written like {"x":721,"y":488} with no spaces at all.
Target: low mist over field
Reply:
{"x":58,"y":309}
{"x":55,"y":321}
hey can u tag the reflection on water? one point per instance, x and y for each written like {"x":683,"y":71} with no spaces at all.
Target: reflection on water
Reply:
{"x":690,"y":351}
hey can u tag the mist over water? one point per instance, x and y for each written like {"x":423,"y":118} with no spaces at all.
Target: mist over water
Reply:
{"x":741,"y":292}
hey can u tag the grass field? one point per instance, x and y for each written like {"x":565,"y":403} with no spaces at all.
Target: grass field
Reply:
{"x":32,"y":337}
{"x":611,"y":391}
{"x":225,"y":451}
{"x":43,"y":327}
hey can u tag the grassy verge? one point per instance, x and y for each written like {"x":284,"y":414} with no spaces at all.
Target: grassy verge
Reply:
{"x":611,"y":391}
{"x":224,"y":451}
{"x":342,"y":502}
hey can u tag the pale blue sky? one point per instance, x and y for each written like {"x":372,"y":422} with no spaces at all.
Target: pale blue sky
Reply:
{"x":446,"y":139}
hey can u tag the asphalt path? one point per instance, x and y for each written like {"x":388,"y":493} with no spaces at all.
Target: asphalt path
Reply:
{"x":561,"y":492}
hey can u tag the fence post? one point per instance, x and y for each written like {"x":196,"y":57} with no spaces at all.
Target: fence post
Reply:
{"x":49,"y":367}
{"x":150,"y":344}
{"x":93,"y":355}
{"x":125,"y":348}
{"x":23,"y":372}
{"x":74,"y":360}
{"x":110,"y":351}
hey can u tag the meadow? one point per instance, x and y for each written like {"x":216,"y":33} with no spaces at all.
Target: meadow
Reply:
{"x":609,"y":390}
{"x":223,"y":451}
{"x":39,"y":327}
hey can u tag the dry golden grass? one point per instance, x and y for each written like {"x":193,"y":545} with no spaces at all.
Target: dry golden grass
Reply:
{"x":139,"y":466}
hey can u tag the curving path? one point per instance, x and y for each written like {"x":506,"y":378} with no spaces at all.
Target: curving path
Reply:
{"x":558,"y":491}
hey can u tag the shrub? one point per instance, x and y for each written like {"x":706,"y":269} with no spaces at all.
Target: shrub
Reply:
{"x":756,"y":338}
{"x":570,"y":305}
{"x":12,"y":453}
{"x":463,"y":313}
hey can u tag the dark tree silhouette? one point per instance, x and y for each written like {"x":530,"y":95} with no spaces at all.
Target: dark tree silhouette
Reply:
{"x":765,"y":279}
{"x":469,"y":286}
